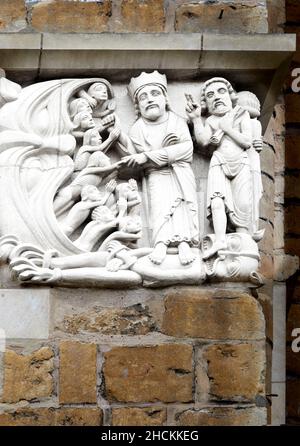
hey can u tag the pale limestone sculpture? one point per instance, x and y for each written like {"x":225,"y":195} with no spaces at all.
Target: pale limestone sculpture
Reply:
{"x":233,"y":191}
{"x":83,"y":197}
{"x":165,"y":151}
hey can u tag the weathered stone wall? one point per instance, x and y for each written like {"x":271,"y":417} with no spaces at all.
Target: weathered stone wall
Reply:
{"x":90,"y":16}
{"x":292,"y":212}
{"x":181,"y":356}
{"x":140,"y":357}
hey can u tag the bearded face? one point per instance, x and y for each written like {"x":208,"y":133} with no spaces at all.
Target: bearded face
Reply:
{"x":218,"y":99}
{"x":151,"y":102}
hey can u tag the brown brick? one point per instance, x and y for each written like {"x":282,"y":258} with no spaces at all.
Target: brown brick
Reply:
{"x":79,"y":416}
{"x":276,"y":125}
{"x":222,"y":18}
{"x":136,"y":416}
{"x":293,"y":360}
{"x":292,"y":151}
{"x":292,"y":102}
{"x":267,"y":161}
{"x":235,"y":371}
{"x":266,"y":304}
{"x":222,"y":416}
{"x":266,"y":205}
{"x":13,"y":15}
{"x":295,"y":29}
{"x":266,"y":266}
{"x":292,"y":218}
{"x":292,"y":185}
{"x":27,"y":377}
{"x":71,"y":16}
{"x":134,"y":320}
{"x":292,"y":245}
{"x":279,"y":228}
{"x":276,"y":15}
{"x":293,"y":320}
{"x":142,"y":16}
{"x":52,"y":417}
{"x":212,"y":315}
{"x":285,"y":266}
{"x":292,"y":11}
{"x":293,"y":290}
{"x":266,"y":245}
{"x":279,"y":147}
{"x":293,"y":398}
{"x":147,"y":374}
{"x":77,"y":373}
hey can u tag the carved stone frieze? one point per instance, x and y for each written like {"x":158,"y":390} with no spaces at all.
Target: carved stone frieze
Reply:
{"x":119,"y":190}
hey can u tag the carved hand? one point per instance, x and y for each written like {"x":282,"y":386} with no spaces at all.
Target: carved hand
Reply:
{"x":226,"y":123}
{"x":134,"y":160}
{"x":92,"y":101}
{"x":111,"y":185}
{"x":258,"y":144}
{"x":115,"y":133}
{"x":193,"y":109}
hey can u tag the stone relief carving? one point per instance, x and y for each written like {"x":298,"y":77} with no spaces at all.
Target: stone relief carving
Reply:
{"x":88,"y":203}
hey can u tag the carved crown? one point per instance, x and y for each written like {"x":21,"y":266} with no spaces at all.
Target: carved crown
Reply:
{"x":154,"y":78}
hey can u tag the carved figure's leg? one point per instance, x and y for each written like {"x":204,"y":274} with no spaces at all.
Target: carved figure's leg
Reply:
{"x":90,"y":259}
{"x":185,"y":253}
{"x":65,"y":198}
{"x":158,"y":254}
{"x":219,"y":219}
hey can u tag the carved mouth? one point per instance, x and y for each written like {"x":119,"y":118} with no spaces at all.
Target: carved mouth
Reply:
{"x":218,"y":103}
{"x":152,"y":106}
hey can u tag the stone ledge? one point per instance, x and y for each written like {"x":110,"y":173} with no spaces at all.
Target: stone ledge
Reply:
{"x":265,"y":58}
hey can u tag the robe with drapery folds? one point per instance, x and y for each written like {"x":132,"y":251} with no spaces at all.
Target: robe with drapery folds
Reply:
{"x":169,"y":180}
{"x":229,"y":175}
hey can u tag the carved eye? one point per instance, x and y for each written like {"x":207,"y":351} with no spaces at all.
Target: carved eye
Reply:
{"x":155,"y":93}
{"x":210,"y":94}
{"x":222,"y":90}
{"x":142,"y":97}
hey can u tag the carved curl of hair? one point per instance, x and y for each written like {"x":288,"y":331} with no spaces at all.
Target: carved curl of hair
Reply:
{"x":213,"y":80}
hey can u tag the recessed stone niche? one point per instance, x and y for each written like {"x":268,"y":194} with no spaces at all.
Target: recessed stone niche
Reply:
{"x":109,"y":248}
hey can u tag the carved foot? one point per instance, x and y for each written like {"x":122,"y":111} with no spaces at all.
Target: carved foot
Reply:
{"x":158,"y":254}
{"x":26,"y":270}
{"x":185,"y":254}
{"x":217,"y":246}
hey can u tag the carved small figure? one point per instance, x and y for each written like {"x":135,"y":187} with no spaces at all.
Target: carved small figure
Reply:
{"x":165,"y":152}
{"x":91,"y":197}
{"x":95,"y":167}
{"x":229,"y":188}
{"x":100,"y":97}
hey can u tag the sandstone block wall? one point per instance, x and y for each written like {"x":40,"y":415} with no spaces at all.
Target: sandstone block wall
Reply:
{"x":91,"y":16}
{"x":292,"y":212}
{"x":181,"y":356}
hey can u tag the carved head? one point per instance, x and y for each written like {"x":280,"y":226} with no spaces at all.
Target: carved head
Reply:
{"x":98,"y":91}
{"x":250,"y":102}
{"x":92,"y":138}
{"x":132,"y":225}
{"x":151,"y":102}
{"x":127,"y":191}
{"x":218,"y":96}
{"x":84,"y":120}
{"x":149,"y":94}
{"x":90,"y":192}
{"x":79,"y":105}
